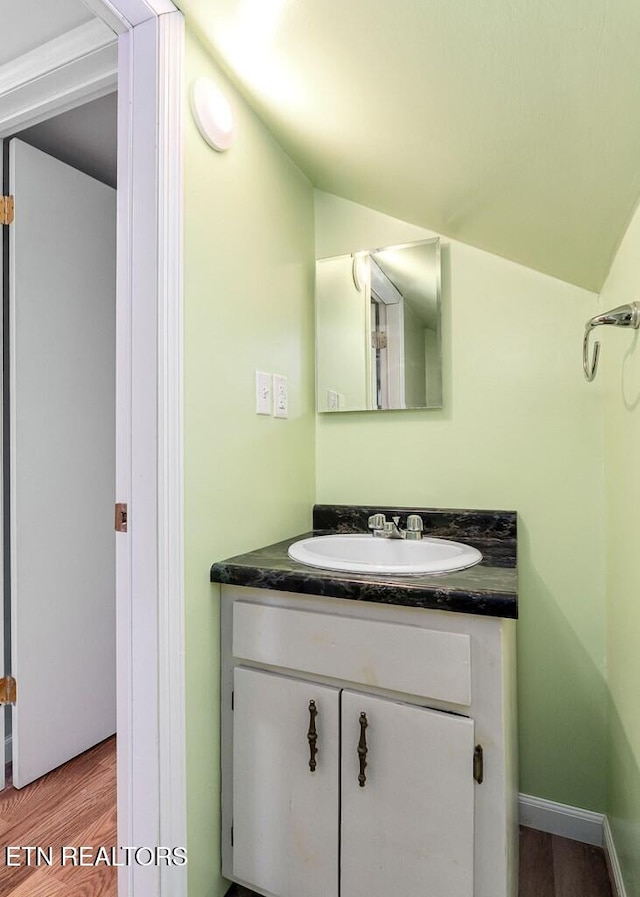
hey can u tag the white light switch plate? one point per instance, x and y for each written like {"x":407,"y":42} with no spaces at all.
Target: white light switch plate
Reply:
{"x":280,"y":396}
{"x":263,"y":393}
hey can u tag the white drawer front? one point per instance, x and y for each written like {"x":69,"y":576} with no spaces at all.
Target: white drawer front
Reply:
{"x":407,"y":659}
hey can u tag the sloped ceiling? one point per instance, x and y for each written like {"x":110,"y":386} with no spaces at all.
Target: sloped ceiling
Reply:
{"x":512,"y":125}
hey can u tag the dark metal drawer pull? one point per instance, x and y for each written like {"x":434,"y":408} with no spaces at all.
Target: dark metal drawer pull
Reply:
{"x":312,"y":735}
{"x":362,"y":749}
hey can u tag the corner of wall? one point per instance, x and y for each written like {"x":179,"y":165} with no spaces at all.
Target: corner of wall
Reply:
{"x":250,"y":480}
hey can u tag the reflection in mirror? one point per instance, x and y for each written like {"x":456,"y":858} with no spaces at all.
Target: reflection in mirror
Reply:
{"x":378,"y":341}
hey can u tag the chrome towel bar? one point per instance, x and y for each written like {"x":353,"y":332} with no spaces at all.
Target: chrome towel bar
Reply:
{"x":623,"y":316}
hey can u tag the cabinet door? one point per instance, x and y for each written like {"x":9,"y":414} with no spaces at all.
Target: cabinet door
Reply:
{"x":285,"y":816}
{"x":409,"y":829}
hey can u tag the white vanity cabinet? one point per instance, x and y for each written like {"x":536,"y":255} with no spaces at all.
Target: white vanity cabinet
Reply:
{"x":410,"y":828}
{"x":285,"y":817}
{"x":349,"y":736}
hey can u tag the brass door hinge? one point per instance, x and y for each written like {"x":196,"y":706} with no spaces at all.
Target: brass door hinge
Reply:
{"x":478,"y":764}
{"x":7,"y":210}
{"x":8,"y":690}
{"x":121,"y":517}
{"x":378,"y":339}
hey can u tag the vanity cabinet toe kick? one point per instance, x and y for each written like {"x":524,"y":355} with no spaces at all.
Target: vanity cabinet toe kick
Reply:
{"x":366,"y":749}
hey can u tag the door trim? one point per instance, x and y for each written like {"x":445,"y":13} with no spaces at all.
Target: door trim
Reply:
{"x":149,"y":466}
{"x":149,"y":454}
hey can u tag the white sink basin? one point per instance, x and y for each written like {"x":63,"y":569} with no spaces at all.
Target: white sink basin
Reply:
{"x":362,"y":553}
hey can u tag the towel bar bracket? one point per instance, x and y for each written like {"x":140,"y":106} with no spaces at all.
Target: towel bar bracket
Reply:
{"x":623,"y":316}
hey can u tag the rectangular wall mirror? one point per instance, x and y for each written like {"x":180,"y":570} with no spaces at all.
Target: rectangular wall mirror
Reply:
{"x":378,"y":341}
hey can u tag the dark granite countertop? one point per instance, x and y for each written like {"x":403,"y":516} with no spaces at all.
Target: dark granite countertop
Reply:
{"x":490,"y":588}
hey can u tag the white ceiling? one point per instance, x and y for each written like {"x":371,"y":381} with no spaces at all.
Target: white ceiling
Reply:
{"x":84,"y":137}
{"x":26,"y":24}
{"x":511,"y":125}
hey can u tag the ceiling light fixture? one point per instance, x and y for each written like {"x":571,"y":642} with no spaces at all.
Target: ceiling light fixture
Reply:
{"x":212,"y":114}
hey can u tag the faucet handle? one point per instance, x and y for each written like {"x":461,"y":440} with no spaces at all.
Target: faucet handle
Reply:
{"x":415,"y":526}
{"x":376,"y":522}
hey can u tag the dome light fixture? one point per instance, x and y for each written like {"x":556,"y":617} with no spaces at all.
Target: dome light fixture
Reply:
{"x":212,"y":114}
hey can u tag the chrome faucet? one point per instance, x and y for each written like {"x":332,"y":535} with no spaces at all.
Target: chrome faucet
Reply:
{"x":390,"y":529}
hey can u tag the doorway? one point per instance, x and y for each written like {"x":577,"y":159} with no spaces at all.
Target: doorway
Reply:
{"x":59,"y":415}
{"x":59,"y":471}
{"x":79,"y":65}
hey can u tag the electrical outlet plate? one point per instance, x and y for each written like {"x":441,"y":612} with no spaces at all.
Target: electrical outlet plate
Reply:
{"x":263,"y":393}
{"x":280,"y":396}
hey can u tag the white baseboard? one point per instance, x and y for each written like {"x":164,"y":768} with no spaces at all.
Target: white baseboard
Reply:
{"x":561,"y":819}
{"x":615,"y":872}
{"x":572,"y":822}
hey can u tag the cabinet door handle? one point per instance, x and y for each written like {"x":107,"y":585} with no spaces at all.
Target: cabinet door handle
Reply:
{"x":362,"y":749}
{"x":312,"y":735}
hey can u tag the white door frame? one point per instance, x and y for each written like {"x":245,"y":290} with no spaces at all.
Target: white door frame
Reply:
{"x":149,"y":459}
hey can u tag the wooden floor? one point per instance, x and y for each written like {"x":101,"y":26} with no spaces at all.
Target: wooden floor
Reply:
{"x":549,"y":867}
{"x":73,"y":806}
{"x":557,"y":867}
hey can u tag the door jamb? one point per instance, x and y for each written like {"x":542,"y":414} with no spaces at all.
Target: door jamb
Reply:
{"x":149,"y":476}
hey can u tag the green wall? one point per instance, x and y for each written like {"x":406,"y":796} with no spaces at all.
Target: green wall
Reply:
{"x":249,"y":269}
{"x":415,"y":356}
{"x":341,"y":318}
{"x":520,"y":429}
{"x":620,"y":371}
